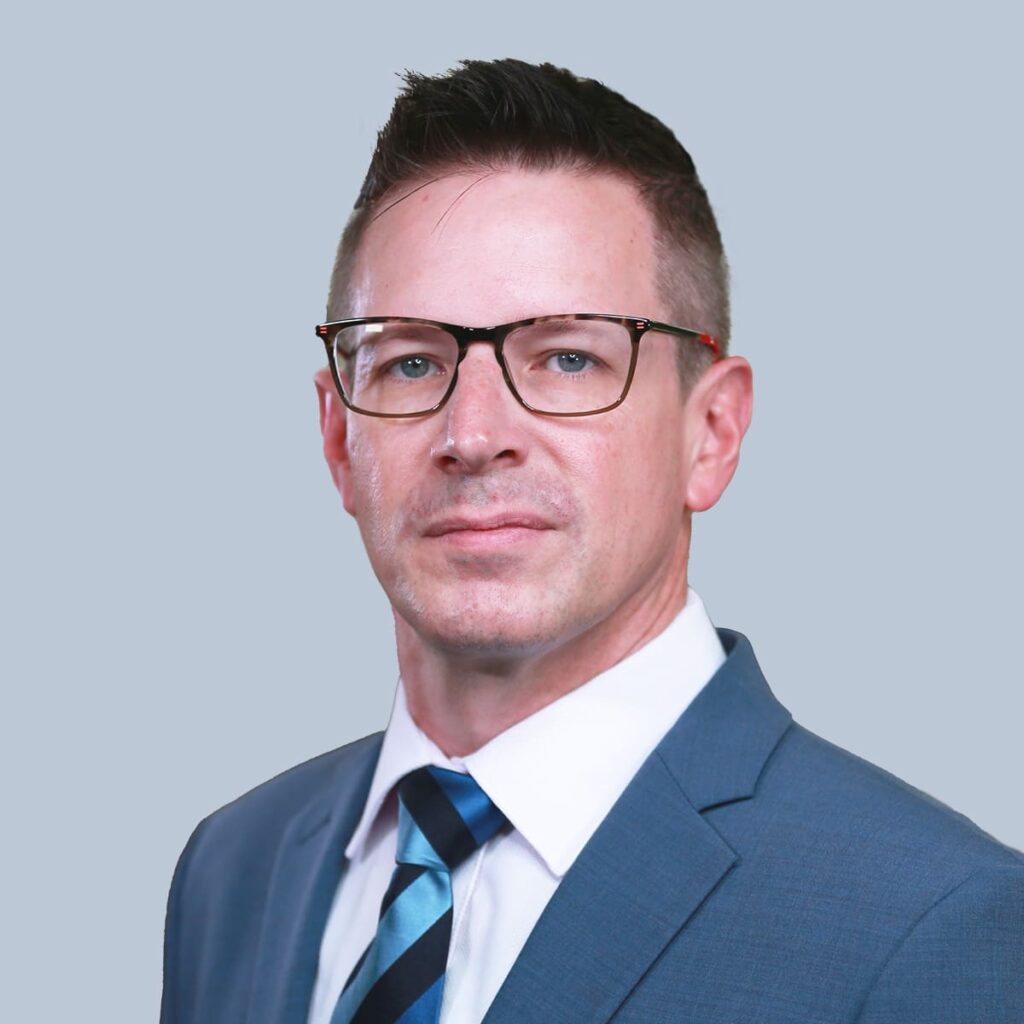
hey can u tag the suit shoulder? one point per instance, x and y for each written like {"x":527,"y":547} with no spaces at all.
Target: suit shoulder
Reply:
{"x":293,"y":784}
{"x":815,"y":780}
{"x":257,"y":818}
{"x":962,"y":959}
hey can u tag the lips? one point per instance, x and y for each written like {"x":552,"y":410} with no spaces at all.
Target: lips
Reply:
{"x":502,"y":521}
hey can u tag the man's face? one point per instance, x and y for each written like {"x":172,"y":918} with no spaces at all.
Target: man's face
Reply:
{"x":609,"y":490}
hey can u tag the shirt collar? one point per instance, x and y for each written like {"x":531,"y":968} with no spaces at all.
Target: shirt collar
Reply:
{"x":557,"y":773}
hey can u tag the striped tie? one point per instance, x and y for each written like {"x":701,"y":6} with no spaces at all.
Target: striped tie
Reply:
{"x":443,"y":816}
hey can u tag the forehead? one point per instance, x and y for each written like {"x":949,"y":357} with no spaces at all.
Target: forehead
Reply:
{"x":482,"y":247}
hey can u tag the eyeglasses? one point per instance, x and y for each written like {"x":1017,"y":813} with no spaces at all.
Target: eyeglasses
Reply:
{"x":569,"y":364}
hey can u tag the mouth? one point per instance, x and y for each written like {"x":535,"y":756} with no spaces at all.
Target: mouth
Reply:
{"x":488,"y":533}
{"x":503,"y":522}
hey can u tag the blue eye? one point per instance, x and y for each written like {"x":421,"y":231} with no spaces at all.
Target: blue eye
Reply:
{"x":412,"y":367}
{"x":571,"y":362}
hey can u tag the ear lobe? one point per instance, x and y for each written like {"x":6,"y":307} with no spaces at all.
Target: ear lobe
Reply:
{"x":334,"y":430}
{"x":722,"y":409}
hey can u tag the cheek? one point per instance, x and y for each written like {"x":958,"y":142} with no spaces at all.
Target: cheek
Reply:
{"x":605,"y":479}
{"x":630,"y":464}
{"x":375,"y":508}
{"x":366,"y":479}
{"x":632,"y":487}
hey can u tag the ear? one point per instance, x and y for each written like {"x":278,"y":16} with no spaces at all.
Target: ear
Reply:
{"x":334,"y":428}
{"x":718,"y":413}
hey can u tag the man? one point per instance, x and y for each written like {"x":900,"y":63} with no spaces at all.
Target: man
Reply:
{"x":587,"y":804}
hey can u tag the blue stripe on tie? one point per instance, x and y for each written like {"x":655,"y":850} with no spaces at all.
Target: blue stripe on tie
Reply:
{"x":427,"y":1008}
{"x":482,"y":818}
{"x":412,"y":913}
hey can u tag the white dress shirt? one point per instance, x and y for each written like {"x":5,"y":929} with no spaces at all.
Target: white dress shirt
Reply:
{"x":555,"y":775}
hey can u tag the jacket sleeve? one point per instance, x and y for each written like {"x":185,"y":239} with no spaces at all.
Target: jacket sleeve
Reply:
{"x":171,"y":1001}
{"x":963,"y":960}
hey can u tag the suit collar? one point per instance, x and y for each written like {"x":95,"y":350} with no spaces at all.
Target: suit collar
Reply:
{"x":654,"y":859}
{"x":717,"y":749}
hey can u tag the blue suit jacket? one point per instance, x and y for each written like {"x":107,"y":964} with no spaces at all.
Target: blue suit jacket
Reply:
{"x":751,"y":871}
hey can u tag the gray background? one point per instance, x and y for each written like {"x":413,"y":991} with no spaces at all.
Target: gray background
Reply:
{"x":187,"y":610}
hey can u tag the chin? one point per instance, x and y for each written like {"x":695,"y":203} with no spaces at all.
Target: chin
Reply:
{"x":487,"y":621}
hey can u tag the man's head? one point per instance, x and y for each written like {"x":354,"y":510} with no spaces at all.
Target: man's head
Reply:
{"x":510,"y":114}
{"x":607,"y":498}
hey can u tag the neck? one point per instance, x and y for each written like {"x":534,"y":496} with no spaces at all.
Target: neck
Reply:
{"x":461,"y":703}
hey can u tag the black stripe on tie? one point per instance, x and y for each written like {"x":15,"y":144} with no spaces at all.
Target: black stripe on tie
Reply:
{"x":355,"y":970}
{"x":409,"y":976}
{"x":437,"y":817}
{"x":401,"y":878}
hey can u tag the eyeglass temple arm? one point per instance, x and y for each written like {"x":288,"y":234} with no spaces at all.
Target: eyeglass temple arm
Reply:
{"x":684,"y":332}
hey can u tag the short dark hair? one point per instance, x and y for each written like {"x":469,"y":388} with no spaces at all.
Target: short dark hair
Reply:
{"x":508,"y":113}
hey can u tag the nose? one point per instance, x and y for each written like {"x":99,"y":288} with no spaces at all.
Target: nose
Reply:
{"x":482,"y":426}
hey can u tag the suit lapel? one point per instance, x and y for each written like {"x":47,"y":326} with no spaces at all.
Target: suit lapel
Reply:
{"x":302,"y":887}
{"x":644,"y":872}
{"x":653,"y":860}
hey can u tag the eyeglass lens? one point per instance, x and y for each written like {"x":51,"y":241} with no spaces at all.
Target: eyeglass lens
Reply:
{"x":561,"y":366}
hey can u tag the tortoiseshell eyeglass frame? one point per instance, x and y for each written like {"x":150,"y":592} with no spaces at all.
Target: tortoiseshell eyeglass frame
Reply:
{"x":637,"y":326}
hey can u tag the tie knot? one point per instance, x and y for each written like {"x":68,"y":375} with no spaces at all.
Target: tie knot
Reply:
{"x":443,"y":817}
